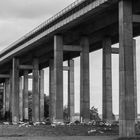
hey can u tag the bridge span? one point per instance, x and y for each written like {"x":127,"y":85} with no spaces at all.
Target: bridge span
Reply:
{"x":77,"y":30}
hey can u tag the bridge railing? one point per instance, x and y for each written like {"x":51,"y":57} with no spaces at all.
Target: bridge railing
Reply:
{"x":47,"y":22}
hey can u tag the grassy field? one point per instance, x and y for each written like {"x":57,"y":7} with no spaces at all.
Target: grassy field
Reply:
{"x":47,"y":132}
{"x":61,"y":138}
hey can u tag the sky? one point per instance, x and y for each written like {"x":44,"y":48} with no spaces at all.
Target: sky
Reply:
{"x":18,"y":17}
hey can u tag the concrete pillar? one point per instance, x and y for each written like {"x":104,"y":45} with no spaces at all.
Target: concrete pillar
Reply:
{"x":84,"y":81}
{"x":126,"y":72}
{"x":107,"y":81}
{"x":58,"y":77}
{"x":41,"y":88}
{"x":7,"y":99}
{"x":25,"y":97}
{"x":35,"y":98}
{"x":135,"y":77}
{"x":15,"y":91}
{"x":1,"y":99}
{"x":71,"y":90}
{"x":4,"y":103}
{"x":10,"y":96}
{"x":52,"y":96}
{"x":21,"y":99}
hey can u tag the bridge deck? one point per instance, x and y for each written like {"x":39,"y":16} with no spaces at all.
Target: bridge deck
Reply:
{"x":94,"y":18}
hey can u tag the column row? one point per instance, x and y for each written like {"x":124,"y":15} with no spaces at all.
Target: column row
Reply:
{"x":56,"y":80}
{"x":16,"y":93}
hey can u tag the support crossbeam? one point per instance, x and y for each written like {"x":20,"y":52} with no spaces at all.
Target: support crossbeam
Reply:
{"x":115,"y":50}
{"x":66,"y":68}
{"x":26,"y":67}
{"x":136,"y":18}
{"x":1,"y":88}
{"x":4,"y":76}
{"x":72,"y":48}
{"x":30,"y":76}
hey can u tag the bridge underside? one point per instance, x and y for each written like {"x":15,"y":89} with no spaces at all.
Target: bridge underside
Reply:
{"x":110,"y":22}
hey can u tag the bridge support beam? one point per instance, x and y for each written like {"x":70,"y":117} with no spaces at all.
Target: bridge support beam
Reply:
{"x":41,"y":89}
{"x":21,"y":99}
{"x":52,"y":96}
{"x":71,"y":90}
{"x":10,"y":101}
{"x":7,"y":99}
{"x":25,"y":97}
{"x":135,"y":78}
{"x":84,"y":81}
{"x":35,"y":96}
{"x":126,"y":72}
{"x":107,"y":81}
{"x":3,"y":89}
{"x":15,"y":90}
{"x":58,"y":77}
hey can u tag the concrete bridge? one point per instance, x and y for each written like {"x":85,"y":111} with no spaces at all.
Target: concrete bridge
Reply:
{"x":82,"y":27}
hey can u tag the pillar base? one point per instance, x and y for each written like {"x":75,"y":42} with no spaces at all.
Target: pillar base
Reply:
{"x":85,"y":120}
{"x":15,"y":120}
{"x":109,"y":121}
{"x":128,"y":138}
{"x":127,"y":128}
{"x":57,"y":121}
{"x":72,"y":119}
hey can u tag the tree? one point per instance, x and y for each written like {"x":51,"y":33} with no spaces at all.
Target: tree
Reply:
{"x":46,"y":106}
{"x":65,"y":113}
{"x":94,"y":114}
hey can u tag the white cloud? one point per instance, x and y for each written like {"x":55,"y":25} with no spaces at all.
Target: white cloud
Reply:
{"x":19,"y":17}
{"x":31,"y":8}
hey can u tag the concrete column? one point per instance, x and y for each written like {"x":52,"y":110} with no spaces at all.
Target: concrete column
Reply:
{"x":41,"y":88}
{"x":126,"y":72}
{"x":52,"y":96}
{"x":135,"y":77}
{"x":84,"y":81}
{"x":15,"y":91}
{"x":25,"y":97}
{"x":7,"y":99}
{"x":71,"y":90}
{"x":107,"y":81}
{"x":21,"y":99}
{"x":35,"y":98}
{"x":1,"y":99}
{"x":58,"y":77}
{"x":4,"y":103}
{"x":10,"y":96}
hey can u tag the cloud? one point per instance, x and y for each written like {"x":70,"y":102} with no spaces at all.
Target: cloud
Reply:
{"x":12,"y":30}
{"x":31,"y":8}
{"x":19,"y":17}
